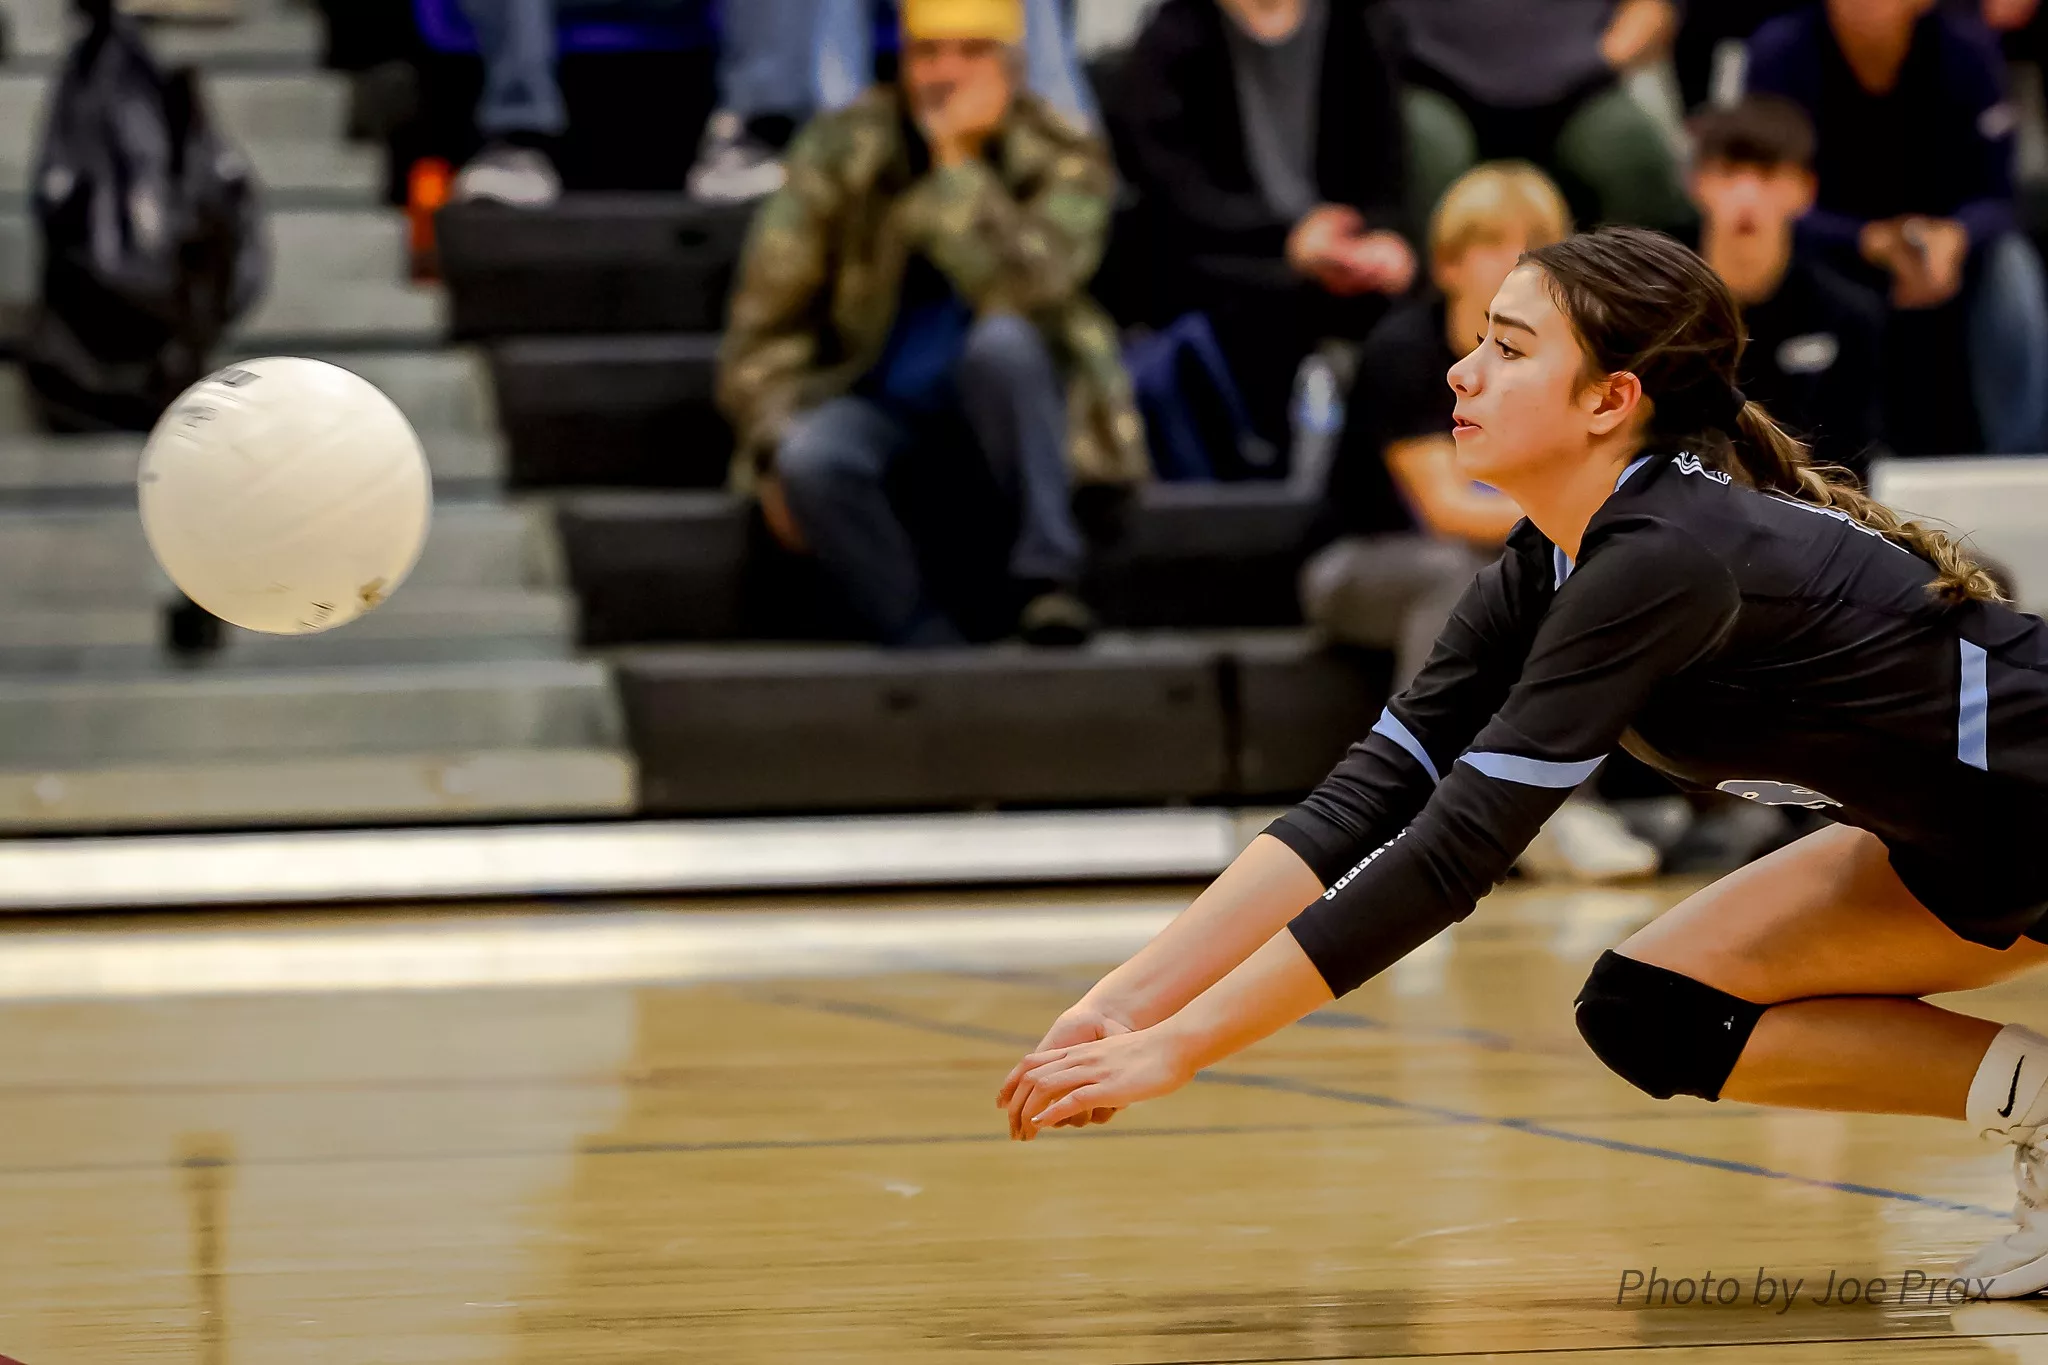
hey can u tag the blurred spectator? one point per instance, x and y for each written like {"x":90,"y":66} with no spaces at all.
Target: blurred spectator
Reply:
{"x":1266,"y":139}
{"x":917,"y":291}
{"x":1710,"y":41}
{"x":521,"y":112}
{"x":1540,"y":80}
{"x":766,"y":88}
{"x":782,"y":61}
{"x":1814,"y":356}
{"x":1414,"y":530}
{"x":1915,"y":195}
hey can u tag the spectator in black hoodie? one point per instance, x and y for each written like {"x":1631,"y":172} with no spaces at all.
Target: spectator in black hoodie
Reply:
{"x":1266,"y":139}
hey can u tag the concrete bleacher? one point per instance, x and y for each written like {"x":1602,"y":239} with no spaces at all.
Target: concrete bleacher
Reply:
{"x":620,"y":636}
{"x":627,"y":411}
{"x":269,"y":35}
{"x":596,"y":263}
{"x":462,"y":699}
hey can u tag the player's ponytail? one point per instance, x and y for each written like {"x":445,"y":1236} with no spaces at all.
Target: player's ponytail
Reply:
{"x":1772,"y":457}
{"x":1643,"y":304}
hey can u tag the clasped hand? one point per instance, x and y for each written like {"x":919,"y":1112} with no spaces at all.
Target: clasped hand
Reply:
{"x":1924,"y":255}
{"x":1331,"y":246}
{"x":1088,"y":1067}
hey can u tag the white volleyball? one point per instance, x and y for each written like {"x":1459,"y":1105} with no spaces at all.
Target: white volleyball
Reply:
{"x":285,"y":495}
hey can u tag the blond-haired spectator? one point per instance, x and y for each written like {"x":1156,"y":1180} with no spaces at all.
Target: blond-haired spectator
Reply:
{"x":1413,"y":530}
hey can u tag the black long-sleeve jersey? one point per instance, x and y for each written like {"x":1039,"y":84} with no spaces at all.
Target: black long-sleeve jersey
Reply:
{"x":1734,"y":639}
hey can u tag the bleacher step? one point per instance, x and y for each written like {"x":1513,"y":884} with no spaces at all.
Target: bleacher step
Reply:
{"x":439,"y":391}
{"x":432,"y":785}
{"x":427,"y":625}
{"x":592,"y":263}
{"x":250,"y":106}
{"x":269,"y":34}
{"x":233,"y":718}
{"x":635,"y":411}
{"x":337,"y":279}
{"x":102,"y":468}
{"x":84,"y":555}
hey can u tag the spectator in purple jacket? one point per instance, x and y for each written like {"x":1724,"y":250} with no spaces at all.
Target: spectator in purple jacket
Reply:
{"x":1915,"y":176}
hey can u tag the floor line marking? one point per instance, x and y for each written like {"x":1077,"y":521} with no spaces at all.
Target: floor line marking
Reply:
{"x":684,"y":1148}
{"x":1309,"y":1089}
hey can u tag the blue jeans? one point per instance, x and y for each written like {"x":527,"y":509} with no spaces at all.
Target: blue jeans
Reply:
{"x":788,"y":57}
{"x":2008,"y":330}
{"x":835,"y":463}
{"x":516,"y":39}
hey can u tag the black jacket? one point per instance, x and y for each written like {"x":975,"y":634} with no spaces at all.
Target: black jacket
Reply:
{"x":1180,"y":133}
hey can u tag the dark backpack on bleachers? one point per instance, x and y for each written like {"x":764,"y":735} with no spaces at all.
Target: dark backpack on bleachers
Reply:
{"x":151,"y":234}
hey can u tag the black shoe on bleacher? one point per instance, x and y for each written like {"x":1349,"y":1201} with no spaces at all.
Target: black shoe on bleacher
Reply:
{"x":191,"y":632}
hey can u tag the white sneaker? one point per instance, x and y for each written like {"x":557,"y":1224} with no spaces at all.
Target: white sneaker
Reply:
{"x":519,"y":176}
{"x":2016,"y":1265}
{"x":1585,"y":842}
{"x":733,"y":168}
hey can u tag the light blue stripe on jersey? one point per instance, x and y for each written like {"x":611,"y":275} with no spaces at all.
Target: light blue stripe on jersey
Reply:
{"x":1973,"y":710}
{"x":1390,"y":725}
{"x":1561,"y":564}
{"x":1532,"y":772}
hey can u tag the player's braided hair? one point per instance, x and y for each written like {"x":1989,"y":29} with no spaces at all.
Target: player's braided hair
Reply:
{"x":1643,"y":304}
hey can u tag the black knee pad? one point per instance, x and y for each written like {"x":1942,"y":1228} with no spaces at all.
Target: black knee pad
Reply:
{"x":1663,"y":1033}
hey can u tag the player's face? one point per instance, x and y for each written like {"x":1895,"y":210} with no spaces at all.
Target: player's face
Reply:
{"x":1521,"y":401}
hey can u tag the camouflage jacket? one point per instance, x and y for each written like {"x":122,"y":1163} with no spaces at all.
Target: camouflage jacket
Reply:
{"x":1020,"y":231}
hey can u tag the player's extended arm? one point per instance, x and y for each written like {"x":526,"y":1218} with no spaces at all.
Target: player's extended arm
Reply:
{"x":1257,"y":894}
{"x":1375,"y":791}
{"x":1647,"y":608}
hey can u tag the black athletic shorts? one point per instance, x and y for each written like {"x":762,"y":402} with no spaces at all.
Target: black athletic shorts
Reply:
{"x":1982,"y":901}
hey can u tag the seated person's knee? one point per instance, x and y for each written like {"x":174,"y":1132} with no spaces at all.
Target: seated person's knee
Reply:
{"x":1004,"y":344}
{"x":807,"y":454}
{"x":1661,"y":1031}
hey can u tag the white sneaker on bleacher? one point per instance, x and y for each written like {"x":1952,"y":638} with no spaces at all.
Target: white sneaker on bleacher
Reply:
{"x":1585,"y":842}
{"x":733,"y":167}
{"x":501,"y":173}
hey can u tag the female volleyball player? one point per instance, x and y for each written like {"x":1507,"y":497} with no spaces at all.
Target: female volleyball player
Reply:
{"x":1687,"y":587}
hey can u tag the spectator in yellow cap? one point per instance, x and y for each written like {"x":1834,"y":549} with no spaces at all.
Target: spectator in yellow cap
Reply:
{"x":911,"y":342}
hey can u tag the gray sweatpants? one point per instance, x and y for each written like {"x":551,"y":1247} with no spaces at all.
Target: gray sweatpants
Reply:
{"x":1389,"y":592}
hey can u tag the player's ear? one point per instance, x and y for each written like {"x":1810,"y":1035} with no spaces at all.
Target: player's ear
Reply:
{"x":1613,"y":402}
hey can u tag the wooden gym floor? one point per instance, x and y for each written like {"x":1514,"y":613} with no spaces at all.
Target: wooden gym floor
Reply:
{"x":478,"y":1138}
